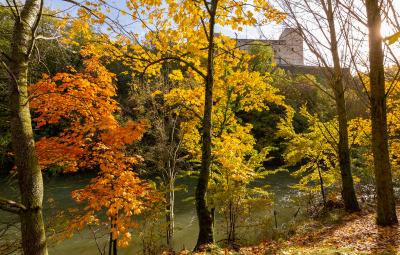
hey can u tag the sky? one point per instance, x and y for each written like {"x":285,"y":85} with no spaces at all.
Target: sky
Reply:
{"x":268,"y":32}
{"x":271,"y":31}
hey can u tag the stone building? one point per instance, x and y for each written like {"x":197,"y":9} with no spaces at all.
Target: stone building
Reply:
{"x":288,"y":49}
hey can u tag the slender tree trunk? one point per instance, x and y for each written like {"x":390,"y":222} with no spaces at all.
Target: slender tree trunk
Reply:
{"x":203,"y":212}
{"x":321,"y":184}
{"x":230,"y":222}
{"x":115,"y":242}
{"x":348,"y":192}
{"x":386,"y":208}
{"x":112,"y":248}
{"x":110,"y":243}
{"x":29,"y":173}
{"x":170,"y":198}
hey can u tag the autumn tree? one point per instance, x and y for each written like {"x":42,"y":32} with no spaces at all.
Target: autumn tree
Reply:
{"x":363,"y":125}
{"x":90,"y":136}
{"x":314,"y":151}
{"x":325,"y":21}
{"x":386,"y":207}
{"x":235,"y":163}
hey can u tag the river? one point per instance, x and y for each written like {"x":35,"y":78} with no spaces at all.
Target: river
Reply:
{"x":58,"y":197}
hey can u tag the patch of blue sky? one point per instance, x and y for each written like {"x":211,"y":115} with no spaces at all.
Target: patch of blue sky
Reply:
{"x":126,"y":25}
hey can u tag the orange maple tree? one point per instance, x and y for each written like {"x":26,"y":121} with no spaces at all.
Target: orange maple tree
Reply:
{"x":82,"y":105}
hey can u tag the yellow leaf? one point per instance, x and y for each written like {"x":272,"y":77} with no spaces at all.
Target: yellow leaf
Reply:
{"x":392,"y":38}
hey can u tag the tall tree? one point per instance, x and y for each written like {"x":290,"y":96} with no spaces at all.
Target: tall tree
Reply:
{"x":325,"y":22}
{"x":234,"y":160}
{"x":82,"y":107}
{"x":203,"y":213}
{"x":386,"y":207}
{"x":27,"y":18}
{"x":348,"y":192}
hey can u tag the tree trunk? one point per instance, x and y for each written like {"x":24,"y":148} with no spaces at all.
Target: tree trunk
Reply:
{"x":115,"y":242}
{"x":203,"y":213}
{"x":110,"y":244}
{"x":112,"y":247}
{"x":29,"y":173}
{"x":348,"y":192}
{"x":386,"y":208}
{"x":170,"y":198}
{"x":321,"y":184}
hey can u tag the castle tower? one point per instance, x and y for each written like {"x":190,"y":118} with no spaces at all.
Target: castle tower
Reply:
{"x":291,"y":49}
{"x":288,"y":49}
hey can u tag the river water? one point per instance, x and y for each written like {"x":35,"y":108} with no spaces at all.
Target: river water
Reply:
{"x":58,"y":197}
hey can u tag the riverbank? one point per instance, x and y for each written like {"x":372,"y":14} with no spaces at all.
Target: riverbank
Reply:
{"x":337,"y":233}
{"x":58,"y":203}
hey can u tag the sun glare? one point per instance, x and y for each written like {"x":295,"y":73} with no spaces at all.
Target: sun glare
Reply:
{"x":386,"y":29}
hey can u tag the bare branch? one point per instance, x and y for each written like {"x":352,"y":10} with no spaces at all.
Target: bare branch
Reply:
{"x":11,"y":206}
{"x":46,"y":38}
{"x":14,"y":9}
{"x":82,"y":6}
{"x":179,"y":59}
{"x":34,"y":28}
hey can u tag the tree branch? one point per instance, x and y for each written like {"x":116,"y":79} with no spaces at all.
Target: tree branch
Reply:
{"x":34,"y":28}
{"x":41,"y":37}
{"x":5,"y":55}
{"x":11,"y":206}
{"x":8,"y":71}
{"x":177,"y":59}
{"x":16,"y":12}
{"x":82,"y":6}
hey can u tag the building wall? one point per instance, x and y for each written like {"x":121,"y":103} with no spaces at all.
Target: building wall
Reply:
{"x":289,"y":49}
{"x":292,"y":52}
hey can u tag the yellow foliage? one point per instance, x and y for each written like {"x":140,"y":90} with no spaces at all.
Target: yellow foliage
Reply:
{"x":314,"y":150}
{"x":361,"y":127}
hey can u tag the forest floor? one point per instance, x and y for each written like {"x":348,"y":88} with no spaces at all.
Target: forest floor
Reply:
{"x":348,"y":234}
{"x":338,"y":233}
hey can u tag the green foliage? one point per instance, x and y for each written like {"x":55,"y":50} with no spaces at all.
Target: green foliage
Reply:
{"x":49,"y":57}
{"x":263,"y":57}
{"x":6,"y":23}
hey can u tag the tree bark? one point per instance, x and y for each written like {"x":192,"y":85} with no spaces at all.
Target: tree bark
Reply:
{"x":203,"y":212}
{"x":170,"y":217}
{"x":335,"y":77}
{"x":29,"y":173}
{"x":386,"y":208}
{"x":115,"y":242}
{"x":348,"y":192}
{"x":321,"y":185}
